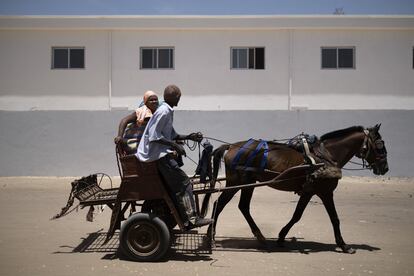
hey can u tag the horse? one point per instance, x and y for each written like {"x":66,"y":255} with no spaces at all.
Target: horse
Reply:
{"x":340,"y":146}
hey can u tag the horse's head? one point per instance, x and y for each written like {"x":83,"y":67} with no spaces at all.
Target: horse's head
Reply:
{"x":373,"y":151}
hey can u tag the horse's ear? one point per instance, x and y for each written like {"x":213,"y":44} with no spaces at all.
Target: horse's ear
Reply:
{"x":377,"y":127}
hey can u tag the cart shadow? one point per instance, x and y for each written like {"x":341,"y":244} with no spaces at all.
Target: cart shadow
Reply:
{"x":291,"y":245}
{"x":190,"y":246}
{"x":193,"y":246}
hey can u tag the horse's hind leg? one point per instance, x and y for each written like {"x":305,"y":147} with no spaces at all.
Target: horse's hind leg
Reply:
{"x":244,"y":206}
{"x":300,"y":207}
{"x":328,"y":202}
{"x":219,"y":205}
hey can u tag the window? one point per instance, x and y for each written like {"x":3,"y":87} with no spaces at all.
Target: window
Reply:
{"x":247,"y":58}
{"x":68,"y":57}
{"x":157,"y":58}
{"x":338,"y":57}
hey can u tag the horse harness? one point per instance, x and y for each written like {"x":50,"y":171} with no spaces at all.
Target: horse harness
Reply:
{"x":313,"y":150}
{"x":371,"y":144}
{"x":309,"y":145}
{"x":247,"y":166}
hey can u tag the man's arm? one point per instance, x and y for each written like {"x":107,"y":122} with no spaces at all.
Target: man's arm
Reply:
{"x":177,"y":147}
{"x":122,"y":125}
{"x":195,"y":136}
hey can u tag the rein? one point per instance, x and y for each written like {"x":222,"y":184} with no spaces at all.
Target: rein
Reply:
{"x":192,"y":147}
{"x":232,"y":144}
{"x":363,"y":164}
{"x":274,"y":141}
{"x":364,"y":151}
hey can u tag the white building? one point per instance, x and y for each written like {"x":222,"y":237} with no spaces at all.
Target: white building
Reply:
{"x":283,"y":75}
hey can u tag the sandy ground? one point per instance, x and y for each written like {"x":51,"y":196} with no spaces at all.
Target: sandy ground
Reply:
{"x":377,"y":219}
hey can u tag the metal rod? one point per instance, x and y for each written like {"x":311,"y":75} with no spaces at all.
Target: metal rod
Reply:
{"x":197,"y":181}
{"x":257,"y":184}
{"x":265,"y":183}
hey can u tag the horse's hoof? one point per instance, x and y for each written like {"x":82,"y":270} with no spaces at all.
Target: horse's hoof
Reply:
{"x":259,"y":236}
{"x":347,"y":249}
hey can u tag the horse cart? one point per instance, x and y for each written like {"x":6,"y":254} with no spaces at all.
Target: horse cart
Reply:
{"x":146,"y":235}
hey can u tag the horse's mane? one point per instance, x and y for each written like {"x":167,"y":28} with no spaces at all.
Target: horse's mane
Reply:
{"x":341,"y":132}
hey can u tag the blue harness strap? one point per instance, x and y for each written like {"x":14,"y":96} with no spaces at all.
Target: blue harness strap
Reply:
{"x":240,"y":152}
{"x":262,"y":144}
{"x":263,"y":163}
{"x":252,"y":155}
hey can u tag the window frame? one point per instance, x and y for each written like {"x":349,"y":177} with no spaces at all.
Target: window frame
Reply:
{"x":337,"y":48}
{"x":69,"y":48}
{"x":157,"y":48}
{"x":247,"y":48}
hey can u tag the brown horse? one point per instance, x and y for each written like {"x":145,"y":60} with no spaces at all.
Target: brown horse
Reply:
{"x":340,"y":146}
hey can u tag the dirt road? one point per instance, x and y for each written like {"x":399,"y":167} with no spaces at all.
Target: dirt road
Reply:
{"x":377,"y":219}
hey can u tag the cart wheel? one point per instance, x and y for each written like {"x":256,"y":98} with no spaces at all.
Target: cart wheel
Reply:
{"x":144,"y":237}
{"x":160,"y":208}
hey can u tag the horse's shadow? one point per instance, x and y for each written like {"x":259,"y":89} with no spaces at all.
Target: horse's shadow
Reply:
{"x":292,"y":245}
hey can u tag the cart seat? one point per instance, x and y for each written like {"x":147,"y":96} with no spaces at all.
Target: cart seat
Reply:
{"x":132,"y":167}
{"x":140,"y":180}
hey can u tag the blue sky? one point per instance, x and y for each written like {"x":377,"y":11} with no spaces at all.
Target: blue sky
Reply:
{"x":202,"y":7}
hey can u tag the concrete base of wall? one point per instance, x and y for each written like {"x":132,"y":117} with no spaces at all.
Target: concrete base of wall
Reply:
{"x":75,"y":143}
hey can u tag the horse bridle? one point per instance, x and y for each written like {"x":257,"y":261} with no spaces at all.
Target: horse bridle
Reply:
{"x":370,"y":144}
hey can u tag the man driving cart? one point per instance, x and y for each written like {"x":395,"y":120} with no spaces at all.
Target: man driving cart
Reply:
{"x":158,"y":143}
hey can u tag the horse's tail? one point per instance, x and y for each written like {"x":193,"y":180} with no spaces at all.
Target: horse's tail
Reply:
{"x":217,"y":156}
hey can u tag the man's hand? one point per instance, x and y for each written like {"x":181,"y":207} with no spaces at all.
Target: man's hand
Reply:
{"x":179,"y":149}
{"x":197,"y":137}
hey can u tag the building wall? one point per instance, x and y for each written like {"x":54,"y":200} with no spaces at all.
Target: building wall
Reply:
{"x":383,"y":77}
{"x":202,"y":69}
{"x":76,"y":143}
{"x":27,"y":81}
{"x":73,"y":133}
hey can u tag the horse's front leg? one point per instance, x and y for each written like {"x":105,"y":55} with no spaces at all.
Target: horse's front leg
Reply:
{"x":328,"y":202}
{"x":300,"y":207}
{"x":244,"y":206}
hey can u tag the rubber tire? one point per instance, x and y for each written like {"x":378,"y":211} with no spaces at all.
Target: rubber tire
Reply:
{"x":144,"y":237}
{"x":160,"y":208}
